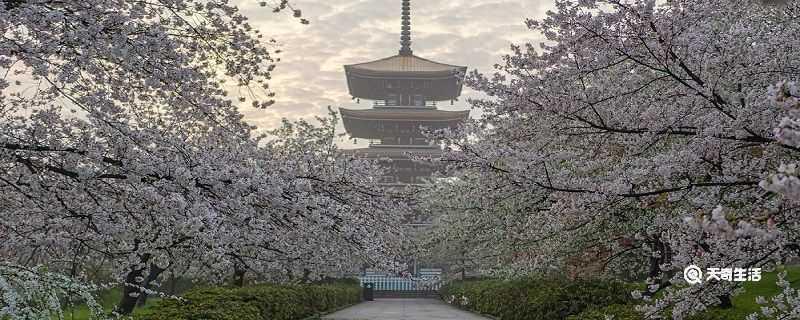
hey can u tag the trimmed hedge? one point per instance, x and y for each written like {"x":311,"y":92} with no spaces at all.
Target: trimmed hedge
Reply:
{"x":260,"y":302}
{"x":534,"y":299}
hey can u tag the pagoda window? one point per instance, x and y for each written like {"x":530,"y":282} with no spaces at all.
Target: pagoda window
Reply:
{"x":391,"y":99}
{"x":388,"y":179}
{"x":405,"y":99}
{"x":390,"y":140}
{"x":419,"y":100}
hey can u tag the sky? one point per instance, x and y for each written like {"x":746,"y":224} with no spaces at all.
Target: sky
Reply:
{"x":310,"y":76}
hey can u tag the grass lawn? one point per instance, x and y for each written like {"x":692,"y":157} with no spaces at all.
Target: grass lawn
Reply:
{"x":745,"y":303}
{"x":108,"y":299}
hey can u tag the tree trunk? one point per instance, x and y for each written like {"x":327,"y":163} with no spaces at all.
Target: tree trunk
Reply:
{"x":127,"y":303}
{"x":463,"y":265}
{"x":130,"y":294}
{"x":725,"y":301}
{"x":655,"y":273}
{"x":173,"y":284}
{"x":239,"y":273}
{"x":155,"y":271}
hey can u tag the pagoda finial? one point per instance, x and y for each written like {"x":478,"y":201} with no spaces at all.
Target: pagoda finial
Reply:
{"x":405,"y":34}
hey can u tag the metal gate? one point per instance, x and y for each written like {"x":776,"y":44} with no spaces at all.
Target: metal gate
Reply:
{"x":424,"y":285}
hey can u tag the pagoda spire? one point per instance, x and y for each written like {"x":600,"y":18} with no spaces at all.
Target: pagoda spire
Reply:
{"x":405,"y":34}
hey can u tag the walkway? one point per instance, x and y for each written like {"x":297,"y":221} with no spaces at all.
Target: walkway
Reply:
{"x":403,"y":309}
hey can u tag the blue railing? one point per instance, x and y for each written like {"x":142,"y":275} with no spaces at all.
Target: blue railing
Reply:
{"x":426,"y":281}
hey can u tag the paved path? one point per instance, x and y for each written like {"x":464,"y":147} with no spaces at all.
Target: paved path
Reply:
{"x":403,"y":309}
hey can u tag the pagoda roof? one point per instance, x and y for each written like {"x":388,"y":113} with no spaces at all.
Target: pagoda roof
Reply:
{"x":377,"y":123}
{"x":405,"y":74}
{"x":402,"y":64}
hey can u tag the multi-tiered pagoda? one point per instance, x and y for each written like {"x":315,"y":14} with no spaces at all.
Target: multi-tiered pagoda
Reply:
{"x":404,"y":89}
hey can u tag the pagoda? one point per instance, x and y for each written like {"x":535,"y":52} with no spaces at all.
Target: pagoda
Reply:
{"x":404,"y":89}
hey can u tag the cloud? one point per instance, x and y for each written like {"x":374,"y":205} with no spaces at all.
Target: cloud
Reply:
{"x":310,"y":76}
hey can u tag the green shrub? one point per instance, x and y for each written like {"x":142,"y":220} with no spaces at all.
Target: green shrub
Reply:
{"x":533,"y":299}
{"x":261,"y":302}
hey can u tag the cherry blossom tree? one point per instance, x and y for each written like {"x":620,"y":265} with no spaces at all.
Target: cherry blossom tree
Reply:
{"x":36,"y":294}
{"x":121,"y":149}
{"x":785,"y":305}
{"x":636,"y":136}
{"x":785,"y":95}
{"x":477,"y":231}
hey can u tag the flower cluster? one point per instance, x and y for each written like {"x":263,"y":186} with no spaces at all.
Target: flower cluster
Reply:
{"x":633,"y":140}
{"x":34,"y":293}
{"x":121,"y":149}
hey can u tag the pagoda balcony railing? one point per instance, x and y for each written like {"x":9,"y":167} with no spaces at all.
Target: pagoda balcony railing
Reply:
{"x":384,"y":104}
{"x":377,"y":144}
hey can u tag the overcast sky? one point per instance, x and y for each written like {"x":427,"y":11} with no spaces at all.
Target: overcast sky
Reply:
{"x":310,"y":76}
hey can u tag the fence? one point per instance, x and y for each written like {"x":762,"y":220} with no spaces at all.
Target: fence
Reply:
{"x":385,"y":283}
{"x":426,"y":284}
